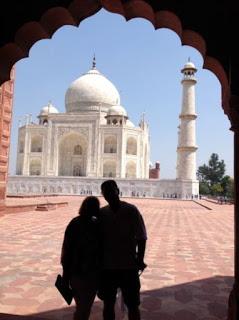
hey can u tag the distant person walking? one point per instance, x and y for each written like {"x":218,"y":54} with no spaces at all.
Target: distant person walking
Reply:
{"x":80,"y":256}
{"x":123,"y":244}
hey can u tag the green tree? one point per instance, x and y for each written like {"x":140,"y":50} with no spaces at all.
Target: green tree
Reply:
{"x":213,"y":172}
{"x":212,"y":178}
{"x":204,"y":188}
{"x":216,"y":189}
{"x":228,"y":186}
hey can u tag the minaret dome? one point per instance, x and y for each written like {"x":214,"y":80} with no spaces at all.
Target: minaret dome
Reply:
{"x":189,"y":71}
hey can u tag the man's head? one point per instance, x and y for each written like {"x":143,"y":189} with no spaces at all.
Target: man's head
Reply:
{"x":110,"y":191}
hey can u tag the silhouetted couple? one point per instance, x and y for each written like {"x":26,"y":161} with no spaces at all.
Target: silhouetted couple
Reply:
{"x":103,"y":250}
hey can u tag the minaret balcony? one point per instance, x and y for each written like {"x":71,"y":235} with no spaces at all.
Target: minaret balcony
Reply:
{"x":188,"y":116}
{"x":187,"y":148}
{"x":189,"y":77}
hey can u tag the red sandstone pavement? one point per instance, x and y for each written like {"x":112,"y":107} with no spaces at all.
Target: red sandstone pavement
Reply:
{"x":189,"y":256}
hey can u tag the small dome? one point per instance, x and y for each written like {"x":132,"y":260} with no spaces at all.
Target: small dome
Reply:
{"x":117,"y":111}
{"x":90,"y":92}
{"x":189,"y":65}
{"x":48,"y":109}
{"x":129,"y":123}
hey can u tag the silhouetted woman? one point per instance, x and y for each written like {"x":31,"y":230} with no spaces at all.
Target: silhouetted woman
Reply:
{"x":80,"y":256}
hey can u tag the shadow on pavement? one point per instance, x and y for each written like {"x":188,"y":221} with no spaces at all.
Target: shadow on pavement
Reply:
{"x":205,"y":299}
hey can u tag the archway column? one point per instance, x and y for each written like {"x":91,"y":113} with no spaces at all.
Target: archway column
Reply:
{"x":233,"y":306}
{"x":6,"y":103}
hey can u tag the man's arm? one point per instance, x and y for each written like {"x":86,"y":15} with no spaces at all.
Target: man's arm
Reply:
{"x":140,"y":254}
{"x":141,"y":237}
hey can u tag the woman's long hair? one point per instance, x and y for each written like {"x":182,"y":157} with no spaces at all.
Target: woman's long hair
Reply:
{"x":90,"y":207}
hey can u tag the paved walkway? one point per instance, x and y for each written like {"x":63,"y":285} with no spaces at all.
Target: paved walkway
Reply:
{"x":189,"y":257}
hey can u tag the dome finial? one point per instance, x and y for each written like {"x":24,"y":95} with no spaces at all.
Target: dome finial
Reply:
{"x":48,"y":106}
{"x":94,"y":62}
{"x":189,"y":60}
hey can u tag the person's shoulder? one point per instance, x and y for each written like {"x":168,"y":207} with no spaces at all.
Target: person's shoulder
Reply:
{"x":129,"y":207}
{"x":73,"y":223}
{"x":127,"y":204}
{"x":105,"y":209}
{"x":75,"y":220}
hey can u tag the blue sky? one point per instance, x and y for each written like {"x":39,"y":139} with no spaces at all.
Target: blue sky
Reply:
{"x":144,"y":65}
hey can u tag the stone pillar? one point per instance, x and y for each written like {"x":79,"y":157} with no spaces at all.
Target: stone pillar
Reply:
{"x":26,"y":154}
{"x":123,"y":153}
{"x":233,"y":306}
{"x":90,"y":143}
{"x":6,"y":103}
{"x":100,"y":150}
{"x":56,"y":152}
{"x":186,"y":150}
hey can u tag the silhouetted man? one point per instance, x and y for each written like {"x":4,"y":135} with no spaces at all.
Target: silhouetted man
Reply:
{"x":123,"y":242}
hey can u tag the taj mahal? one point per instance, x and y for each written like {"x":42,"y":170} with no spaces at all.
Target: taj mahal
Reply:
{"x":94,"y":140}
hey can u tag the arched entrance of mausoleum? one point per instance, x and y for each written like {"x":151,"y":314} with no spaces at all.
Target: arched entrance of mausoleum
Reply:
{"x":72,"y":155}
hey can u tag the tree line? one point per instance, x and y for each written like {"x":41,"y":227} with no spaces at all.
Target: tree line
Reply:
{"x":212,"y":178}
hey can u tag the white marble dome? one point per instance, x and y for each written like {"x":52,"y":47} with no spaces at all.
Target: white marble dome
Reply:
{"x":90,"y":92}
{"x":117,"y":111}
{"x":48,"y":109}
{"x":189,"y":65}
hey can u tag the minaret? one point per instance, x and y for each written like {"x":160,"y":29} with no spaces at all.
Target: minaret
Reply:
{"x":186,"y":150}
